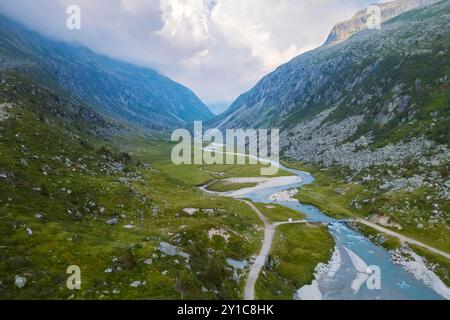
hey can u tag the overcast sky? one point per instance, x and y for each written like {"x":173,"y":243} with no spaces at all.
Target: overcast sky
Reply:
{"x":218,"y":48}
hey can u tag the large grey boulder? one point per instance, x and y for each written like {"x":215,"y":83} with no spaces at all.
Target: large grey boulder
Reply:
{"x":168,"y":249}
{"x":171,"y":250}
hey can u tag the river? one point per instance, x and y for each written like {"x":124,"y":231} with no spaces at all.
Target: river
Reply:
{"x":354,"y":252}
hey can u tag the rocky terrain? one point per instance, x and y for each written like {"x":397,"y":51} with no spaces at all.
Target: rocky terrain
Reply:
{"x":380,"y":98}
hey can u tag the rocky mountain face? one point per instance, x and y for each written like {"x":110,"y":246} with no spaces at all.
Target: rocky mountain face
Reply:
{"x":381,"y":95}
{"x":118,"y":89}
{"x":375,"y":107}
{"x":359,"y":21}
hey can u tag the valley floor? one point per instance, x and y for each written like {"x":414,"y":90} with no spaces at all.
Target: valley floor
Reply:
{"x":137,"y":225}
{"x":309,"y":244}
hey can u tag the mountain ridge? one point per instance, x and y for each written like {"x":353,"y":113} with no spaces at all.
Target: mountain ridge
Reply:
{"x":303,"y":86}
{"x":131,"y":93}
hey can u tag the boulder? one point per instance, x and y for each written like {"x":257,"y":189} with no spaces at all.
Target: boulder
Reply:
{"x":38,"y":215}
{"x":171,"y":250}
{"x":168,"y":249}
{"x":148,"y":261}
{"x":112,"y":221}
{"x":415,"y":182}
{"x":20,"y":282}
{"x":136,"y":284}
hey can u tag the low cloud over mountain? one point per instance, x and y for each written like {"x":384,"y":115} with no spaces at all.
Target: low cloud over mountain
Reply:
{"x":219,"y":48}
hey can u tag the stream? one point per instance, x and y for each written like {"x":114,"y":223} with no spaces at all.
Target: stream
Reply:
{"x":353,"y":253}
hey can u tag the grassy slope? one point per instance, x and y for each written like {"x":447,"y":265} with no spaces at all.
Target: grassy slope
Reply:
{"x":73,"y":230}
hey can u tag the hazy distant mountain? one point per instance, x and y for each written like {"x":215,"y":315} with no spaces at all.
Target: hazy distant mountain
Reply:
{"x":119,"y":89}
{"x":218,"y":108}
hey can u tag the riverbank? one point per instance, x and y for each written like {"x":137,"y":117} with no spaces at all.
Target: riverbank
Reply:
{"x":361,"y":201}
{"x":312,"y":291}
{"x":411,"y":210}
{"x":435,"y":263}
{"x":296,"y":252}
{"x":289,"y":254}
{"x":358,"y":253}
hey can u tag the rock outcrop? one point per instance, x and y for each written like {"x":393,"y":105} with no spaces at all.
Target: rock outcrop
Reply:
{"x":360,"y":21}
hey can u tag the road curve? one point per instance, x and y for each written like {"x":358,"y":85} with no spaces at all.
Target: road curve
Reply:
{"x":269,"y":233}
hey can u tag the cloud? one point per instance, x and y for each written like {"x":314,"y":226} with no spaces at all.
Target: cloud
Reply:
{"x":218,"y":48}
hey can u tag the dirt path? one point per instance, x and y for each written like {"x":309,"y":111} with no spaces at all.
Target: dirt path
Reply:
{"x":269,"y":233}
{"x":213,"y":173}
{"x":403,"y":238}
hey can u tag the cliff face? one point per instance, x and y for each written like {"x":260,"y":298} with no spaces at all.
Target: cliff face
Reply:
{"x":346,"y":29}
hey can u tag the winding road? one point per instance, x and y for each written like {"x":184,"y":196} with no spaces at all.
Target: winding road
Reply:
{"x":269,"y":232}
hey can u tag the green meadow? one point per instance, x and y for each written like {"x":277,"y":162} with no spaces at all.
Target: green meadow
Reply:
{"x":297,"y":250}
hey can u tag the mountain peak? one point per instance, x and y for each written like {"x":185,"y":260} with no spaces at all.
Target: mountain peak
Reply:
{"x":358,"y":22}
